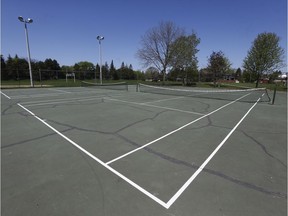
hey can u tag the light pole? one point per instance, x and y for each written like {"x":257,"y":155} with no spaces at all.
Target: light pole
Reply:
{"x":100,"y":38}
{"x":29,"y":20}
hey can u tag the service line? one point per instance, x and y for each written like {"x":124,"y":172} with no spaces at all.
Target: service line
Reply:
{"x":59,"y":90}
{"x":150,"y":105}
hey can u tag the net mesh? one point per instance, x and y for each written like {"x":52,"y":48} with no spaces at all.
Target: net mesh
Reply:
{"x":111,"y":86}
{"x":246,"y":95}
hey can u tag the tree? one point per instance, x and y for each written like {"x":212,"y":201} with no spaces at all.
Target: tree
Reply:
{"x":17,"y":68}
{"x":218,"y":64}
{"x":152,"y":73}
{"x":4,"y":73}
{"x":265,"y":55}
{"x":139,"y":75}
{"x":113,"y":71}
{"x":184,"y":60}
{"x":105,"y":71}
{"x":51,"y":64}
{"x":126,"y":72}
{"x":157,"y":45}
{"x":85,"y":66}
{"x":184,"y":51}
{"x":238,"y":74}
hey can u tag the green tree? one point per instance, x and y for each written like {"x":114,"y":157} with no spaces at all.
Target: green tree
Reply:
{"x":85,"y":69}
{"x":139,"y":75}
{"x":4,"y":72}
{"x":17,"y":68}
{"x":50,"y":64}
{"x":238,"y":74}
{"x":126,"y":72}
{"x":184,"y":51}
{"x":85,"y":66}
{"x":218,"y":64}
{"x":113,"y":71}
{"x":105,"y":71}
{"x":152,"y":73}
{"x":184,"y":60}
{"x":265,"y":55}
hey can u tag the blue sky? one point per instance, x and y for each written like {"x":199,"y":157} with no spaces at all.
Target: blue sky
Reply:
{"x":67,"y":30}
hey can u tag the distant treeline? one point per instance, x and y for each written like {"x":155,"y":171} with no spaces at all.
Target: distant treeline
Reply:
{"x":17,"y":69}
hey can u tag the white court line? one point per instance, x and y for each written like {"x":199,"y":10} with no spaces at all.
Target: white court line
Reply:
{"x":190,"y":180}
{"x":5,"y":95}
{"x":57,"y":100}
{"x":174,"y":131}
{"x":167,"y":99}
{"x":98,"y":160}
{"x":68,"y":100}
{"x":60,"y":101}
{"x":150,"y":105}
{"x":37,"y":95}
{"x":58,"y":90}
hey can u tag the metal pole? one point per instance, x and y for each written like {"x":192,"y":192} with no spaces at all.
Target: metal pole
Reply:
{"x":28,"y":52}
{"x":274,"y":94}
{"x":100,"y":56}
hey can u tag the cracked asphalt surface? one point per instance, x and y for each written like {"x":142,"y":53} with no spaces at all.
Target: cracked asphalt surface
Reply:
{"x":43,"y":174}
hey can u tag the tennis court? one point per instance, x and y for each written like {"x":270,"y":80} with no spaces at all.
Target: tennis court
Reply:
{"x":96,"y":151}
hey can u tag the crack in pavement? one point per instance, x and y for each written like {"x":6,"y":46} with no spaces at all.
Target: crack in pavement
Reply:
{"x":210,"y":171}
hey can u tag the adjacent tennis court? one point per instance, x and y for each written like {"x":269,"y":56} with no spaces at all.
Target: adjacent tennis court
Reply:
{"x":143,"y":151}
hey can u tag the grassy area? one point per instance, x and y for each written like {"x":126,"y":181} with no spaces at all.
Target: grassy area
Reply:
{"x":70,"y":83}
{"x":279,"y":87}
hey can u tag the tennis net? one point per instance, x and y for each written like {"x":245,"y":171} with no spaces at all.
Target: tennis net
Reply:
{"x":249,"y":95}
{"x":110,"y":86}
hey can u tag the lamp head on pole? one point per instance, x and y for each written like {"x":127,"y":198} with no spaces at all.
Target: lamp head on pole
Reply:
{"x":100,"y":38}
{"x":21,"y":19}
{"x":29,"y":20}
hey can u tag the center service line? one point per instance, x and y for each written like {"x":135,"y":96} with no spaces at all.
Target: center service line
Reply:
{"x":190,"y":180}
{"x":174,"y":131}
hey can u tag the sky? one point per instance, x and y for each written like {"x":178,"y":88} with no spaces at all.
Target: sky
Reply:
{"x":67,"y":30}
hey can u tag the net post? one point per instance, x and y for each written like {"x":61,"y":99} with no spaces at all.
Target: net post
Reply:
{"x":40,"y":78}
{"x":274,"y":94}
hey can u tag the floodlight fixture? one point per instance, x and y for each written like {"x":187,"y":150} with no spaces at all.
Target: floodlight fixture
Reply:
{"x":29,"y":20}
{"x":21,"y":18}
{"x":99,"y":38}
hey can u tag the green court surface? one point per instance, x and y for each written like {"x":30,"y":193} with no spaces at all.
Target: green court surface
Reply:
{"x":84,"y":151}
